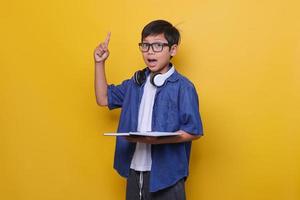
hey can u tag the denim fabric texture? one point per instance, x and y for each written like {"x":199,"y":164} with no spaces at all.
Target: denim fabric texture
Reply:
{"x":176,"y":107}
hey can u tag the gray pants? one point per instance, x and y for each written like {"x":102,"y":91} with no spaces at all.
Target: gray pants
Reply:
{"x":138,"y":188}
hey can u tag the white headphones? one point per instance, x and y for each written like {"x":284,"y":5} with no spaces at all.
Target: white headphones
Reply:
{"x":156,"y":79}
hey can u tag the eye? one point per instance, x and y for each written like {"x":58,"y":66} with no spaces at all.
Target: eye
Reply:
{"x":157,"y":45}
{"x":145,"y":45}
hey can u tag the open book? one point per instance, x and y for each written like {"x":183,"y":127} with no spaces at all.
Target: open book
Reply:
{"x":153,"y":134}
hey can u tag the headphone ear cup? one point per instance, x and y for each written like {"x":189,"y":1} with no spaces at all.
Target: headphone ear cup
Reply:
{"x":157,"y":80}
{"x":139,"y":77}
{"x":152,"y":79}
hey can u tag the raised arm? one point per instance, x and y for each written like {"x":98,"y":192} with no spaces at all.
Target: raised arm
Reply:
{"x":101,"y":53}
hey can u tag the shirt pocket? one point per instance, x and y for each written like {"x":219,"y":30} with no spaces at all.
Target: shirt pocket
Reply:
{"x":173,"y":116}
{"x":167,"y":116}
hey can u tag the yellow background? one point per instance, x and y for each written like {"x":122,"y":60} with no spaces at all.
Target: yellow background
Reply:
{"x":243,"y":57}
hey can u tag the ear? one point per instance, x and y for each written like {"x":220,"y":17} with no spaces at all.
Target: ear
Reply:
{"x":173,"y":49}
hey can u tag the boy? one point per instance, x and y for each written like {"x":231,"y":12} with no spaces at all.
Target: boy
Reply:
{"x":156,"y":98}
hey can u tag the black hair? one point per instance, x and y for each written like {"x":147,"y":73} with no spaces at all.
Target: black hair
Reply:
{"x":156,"y":27}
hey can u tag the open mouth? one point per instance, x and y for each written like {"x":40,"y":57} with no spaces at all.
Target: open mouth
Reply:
{"x":152,"y":60}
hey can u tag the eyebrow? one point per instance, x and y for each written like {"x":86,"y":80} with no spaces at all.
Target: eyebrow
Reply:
{"x":155,"y":41}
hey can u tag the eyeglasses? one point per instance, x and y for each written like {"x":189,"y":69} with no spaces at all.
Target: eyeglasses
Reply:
{"x":156,"y":47}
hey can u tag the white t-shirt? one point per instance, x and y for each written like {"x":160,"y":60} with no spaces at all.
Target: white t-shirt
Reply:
{"x":141,"y":160}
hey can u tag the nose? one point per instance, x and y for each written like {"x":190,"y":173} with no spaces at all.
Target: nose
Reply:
{"x":150,"y":51}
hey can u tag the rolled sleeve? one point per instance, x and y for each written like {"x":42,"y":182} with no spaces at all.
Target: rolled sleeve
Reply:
{"x":190,"y":120}
{"x":116,"y":94}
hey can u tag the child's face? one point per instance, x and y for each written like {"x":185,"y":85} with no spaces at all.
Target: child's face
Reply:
{"x":158,"y":61}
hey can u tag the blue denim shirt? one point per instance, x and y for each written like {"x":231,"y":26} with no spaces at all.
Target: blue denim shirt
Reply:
{"x":175,"y":108}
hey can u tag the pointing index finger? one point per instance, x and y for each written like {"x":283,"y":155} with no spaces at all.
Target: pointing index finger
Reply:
{"x":107,"y":39}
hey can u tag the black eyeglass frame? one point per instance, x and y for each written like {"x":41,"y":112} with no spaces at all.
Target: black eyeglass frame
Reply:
{"x":151,"y":45}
